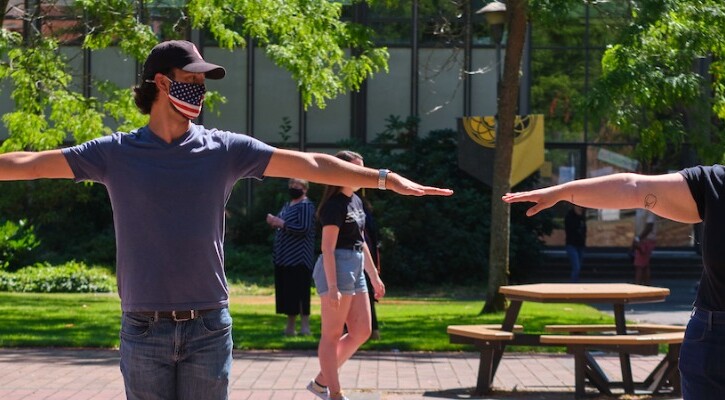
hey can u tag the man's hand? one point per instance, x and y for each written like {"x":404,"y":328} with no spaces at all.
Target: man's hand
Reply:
{"x":402,"y":185}
{"x":544,"y":198}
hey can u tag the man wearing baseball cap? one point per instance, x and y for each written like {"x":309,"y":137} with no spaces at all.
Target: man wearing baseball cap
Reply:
{"x":168,"y":183}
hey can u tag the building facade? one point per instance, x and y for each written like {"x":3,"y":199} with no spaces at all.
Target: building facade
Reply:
{"x":443,"y":65}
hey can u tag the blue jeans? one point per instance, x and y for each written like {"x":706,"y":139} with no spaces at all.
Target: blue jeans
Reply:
{"x":702,"y":357}
{"x":576,"y":256}
{"x":167,"y":360}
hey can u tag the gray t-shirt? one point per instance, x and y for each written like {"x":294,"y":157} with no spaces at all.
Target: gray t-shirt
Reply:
{"x":168,"y":204}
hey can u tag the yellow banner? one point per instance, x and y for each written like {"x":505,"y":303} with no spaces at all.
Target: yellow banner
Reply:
{"x":528,"y":155}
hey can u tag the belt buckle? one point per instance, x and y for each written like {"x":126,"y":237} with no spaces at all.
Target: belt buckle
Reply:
{"x":192,"y":314}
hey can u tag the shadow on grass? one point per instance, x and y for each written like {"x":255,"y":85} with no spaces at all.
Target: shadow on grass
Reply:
{"x":66,"y":320}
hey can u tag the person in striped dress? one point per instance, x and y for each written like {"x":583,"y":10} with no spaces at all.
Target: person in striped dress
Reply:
{"x":293,"y":253}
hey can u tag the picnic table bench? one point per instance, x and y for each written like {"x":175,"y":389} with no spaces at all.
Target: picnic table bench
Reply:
{"x":645,"y":340}
{"x":488,"y":339}
{"x":640,"y":328}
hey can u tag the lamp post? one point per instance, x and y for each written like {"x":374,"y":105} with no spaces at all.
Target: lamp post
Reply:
{"x":495,"y":13}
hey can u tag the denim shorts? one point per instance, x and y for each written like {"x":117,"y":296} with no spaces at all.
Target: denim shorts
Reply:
{"x":350,"y":277}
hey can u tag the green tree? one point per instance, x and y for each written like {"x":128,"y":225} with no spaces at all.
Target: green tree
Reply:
{"x":54,"y":103}
{"x":648,"y":89}
{"x":307,"y":37}
{"x":663,"y":84}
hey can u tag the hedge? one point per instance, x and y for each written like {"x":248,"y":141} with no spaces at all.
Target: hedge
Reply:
{"x":71,"y":277}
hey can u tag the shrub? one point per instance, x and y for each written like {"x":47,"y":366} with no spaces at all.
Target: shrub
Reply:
{"x":71,"y":277}
{"x":251,"y":263}
{"x":432,"y":240}
{"x":428,"y":241}
{"x":71,"y":221}
{"x":17,"y":241}
{"x":441,"y":240}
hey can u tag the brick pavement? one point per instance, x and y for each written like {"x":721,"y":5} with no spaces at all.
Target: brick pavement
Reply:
{"x":91,"y":374}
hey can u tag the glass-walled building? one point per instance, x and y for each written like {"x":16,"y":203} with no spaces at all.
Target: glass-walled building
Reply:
{"x":443,"y":65}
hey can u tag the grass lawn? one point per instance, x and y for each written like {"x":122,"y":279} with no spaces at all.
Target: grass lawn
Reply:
{"x":407,"y":323}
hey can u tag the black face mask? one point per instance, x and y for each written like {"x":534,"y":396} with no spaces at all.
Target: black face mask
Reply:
{"x":295,"y":193}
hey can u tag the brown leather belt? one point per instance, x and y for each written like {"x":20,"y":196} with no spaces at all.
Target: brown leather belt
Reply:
{"x":178,"y":316}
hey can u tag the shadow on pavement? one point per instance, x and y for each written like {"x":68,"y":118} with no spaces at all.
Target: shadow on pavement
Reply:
{"x":465,"y":394}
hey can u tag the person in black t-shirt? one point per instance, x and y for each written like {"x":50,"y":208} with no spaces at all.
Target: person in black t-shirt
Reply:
{"x":692,"y":195}
{"x":341,"y":283}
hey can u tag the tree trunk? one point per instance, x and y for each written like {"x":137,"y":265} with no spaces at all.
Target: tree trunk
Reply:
{"x":507,"y":110}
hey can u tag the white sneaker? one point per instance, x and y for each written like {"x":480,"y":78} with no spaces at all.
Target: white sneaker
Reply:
{"x":318,"y":390}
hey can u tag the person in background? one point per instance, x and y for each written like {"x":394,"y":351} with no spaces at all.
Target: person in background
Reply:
{"x":690,"y":196}
{"x":169,"y":183}
{"x":372,"y":238}
{"x":575,"y":229}
{"x":341,"y":283}
{"x":293,"y":256}
{"x":643,"y":244}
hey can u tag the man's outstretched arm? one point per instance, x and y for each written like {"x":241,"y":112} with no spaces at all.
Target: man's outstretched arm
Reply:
{"x":324,"y":168}
{"x":19,"y":166}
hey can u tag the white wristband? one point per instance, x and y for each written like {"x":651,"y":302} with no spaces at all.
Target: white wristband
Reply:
{"x":382,"y":178}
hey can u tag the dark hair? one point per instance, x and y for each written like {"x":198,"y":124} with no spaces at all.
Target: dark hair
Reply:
{"x":331,"y":190}
{"x":145,"y":94}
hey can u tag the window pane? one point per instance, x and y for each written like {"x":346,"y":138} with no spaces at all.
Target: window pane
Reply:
{"x":389,"y":94}
{"x":561,"y":165}
{"x":392,"y":23}
{"x":558,"y":80}
{"x":441,"y":89}
{"x":441,"y":23}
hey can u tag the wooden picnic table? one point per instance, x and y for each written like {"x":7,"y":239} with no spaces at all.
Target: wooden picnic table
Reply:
{"x":616,"y":294}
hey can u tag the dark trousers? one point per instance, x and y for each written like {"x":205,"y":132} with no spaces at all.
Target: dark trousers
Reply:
{"x":292,"y":289}
{"x":371,"y":293}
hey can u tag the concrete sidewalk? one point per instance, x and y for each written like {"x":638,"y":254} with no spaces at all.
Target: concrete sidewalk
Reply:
{"x":85,"y":374}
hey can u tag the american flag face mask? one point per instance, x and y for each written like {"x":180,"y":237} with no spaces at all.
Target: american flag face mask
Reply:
{"x":187,"y":98}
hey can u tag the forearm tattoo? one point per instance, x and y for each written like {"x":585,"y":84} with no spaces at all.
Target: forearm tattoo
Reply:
{"x":649,"y":201}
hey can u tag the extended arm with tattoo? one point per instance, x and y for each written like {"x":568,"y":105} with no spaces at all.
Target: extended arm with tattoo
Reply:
{"x":666,"y":195}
